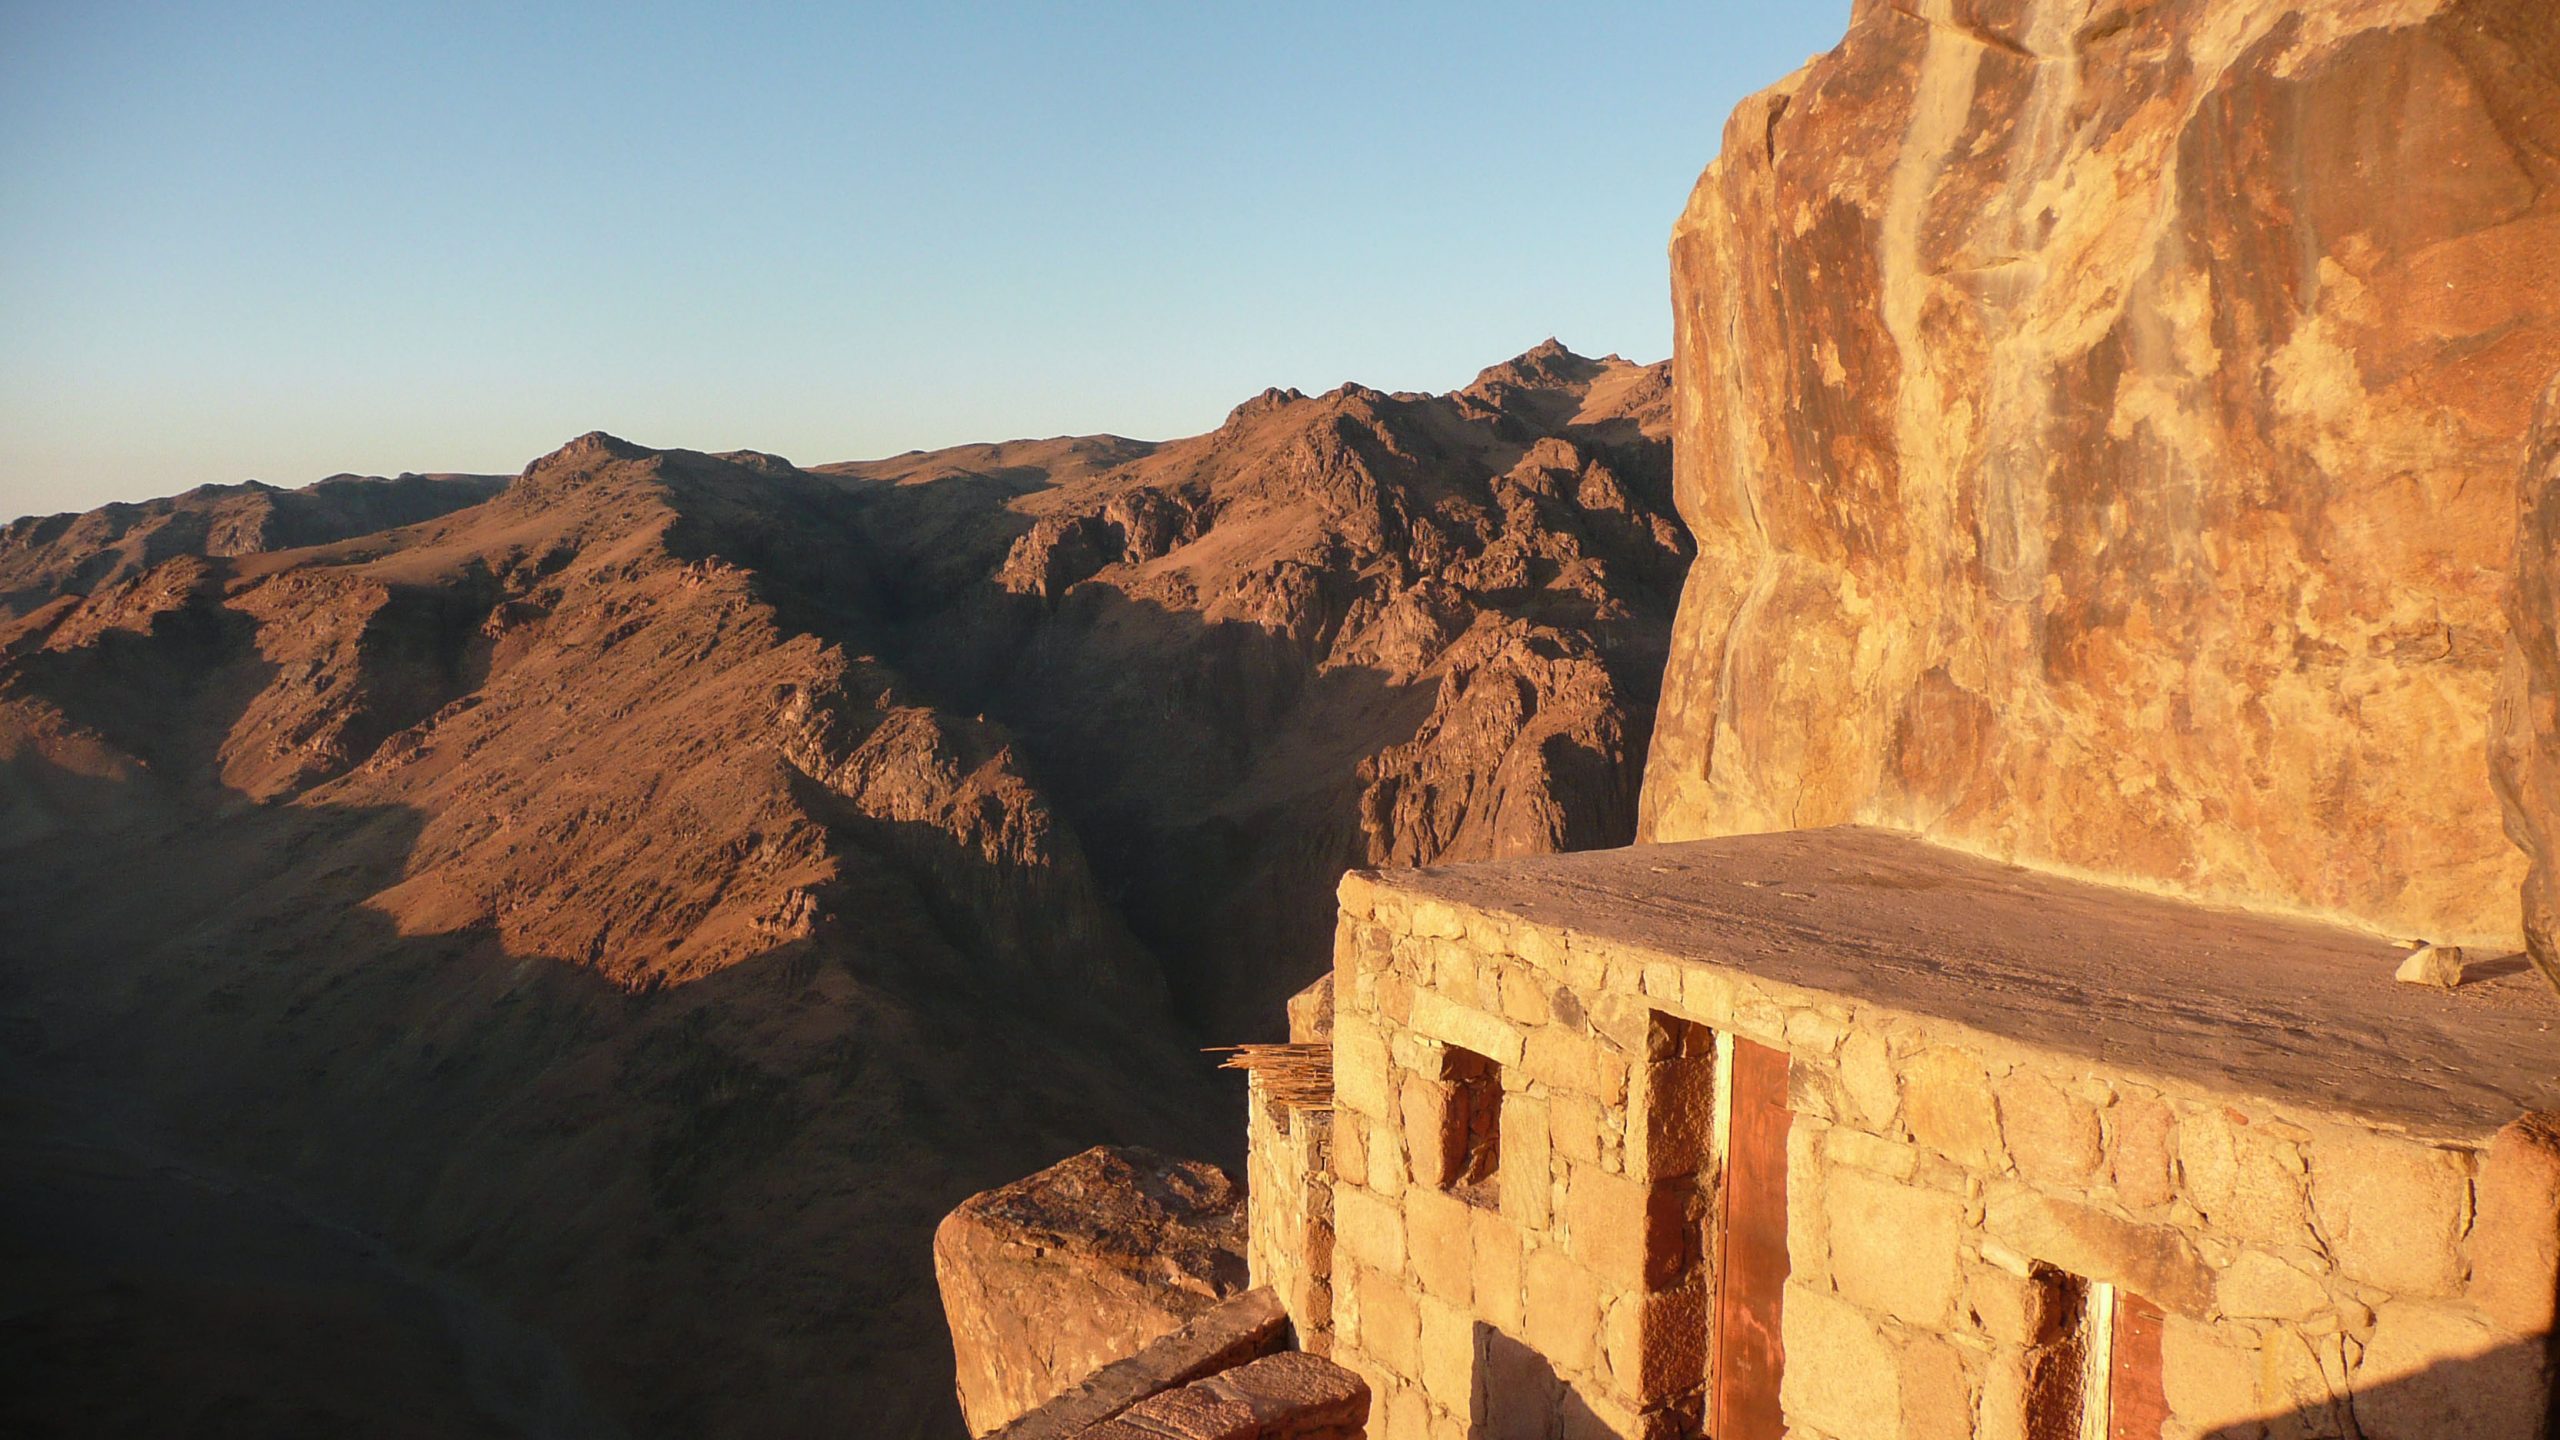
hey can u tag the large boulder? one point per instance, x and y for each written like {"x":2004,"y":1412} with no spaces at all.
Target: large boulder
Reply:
{"x":1056,"y":1275}
{"x":2099,"y":422}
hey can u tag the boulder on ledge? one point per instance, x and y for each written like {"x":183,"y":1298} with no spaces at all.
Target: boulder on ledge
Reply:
{"x":1056,"y":1275}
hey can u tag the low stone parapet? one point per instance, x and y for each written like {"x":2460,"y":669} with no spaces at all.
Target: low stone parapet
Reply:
{"x":1289,"y":1167}
{"x":1235,"y":1332}
{"x":1292,"y":1396}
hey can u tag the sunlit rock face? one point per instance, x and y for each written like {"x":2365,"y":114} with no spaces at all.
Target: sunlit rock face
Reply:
{"x":2100,"y":421}
{"x":2528,"y":728}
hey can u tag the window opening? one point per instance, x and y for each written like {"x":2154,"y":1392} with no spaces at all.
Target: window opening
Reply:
{"x":1472,"y":1168}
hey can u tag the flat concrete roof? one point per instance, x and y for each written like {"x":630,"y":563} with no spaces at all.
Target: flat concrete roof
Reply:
{"x":2303,"y":1014}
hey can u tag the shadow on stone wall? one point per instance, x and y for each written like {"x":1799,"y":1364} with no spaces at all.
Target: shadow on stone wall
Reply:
{"x":1522,"y":1397}
{"x":2500,"y":1394}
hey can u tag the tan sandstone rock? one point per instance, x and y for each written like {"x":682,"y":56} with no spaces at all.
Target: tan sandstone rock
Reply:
{"x":1311,"y":1013}
{"x":1893,"y":1246}
{"x":2437,"y":965}
{"x":2098,"y":421}
{"x":1859,"y":1391}
{"x":2393,"y":1215}
{"x":2154,"y":1262}
{"x":2515,"y":1238}
{"x":2527,"y":743}
{"x":1049,"y":1279}
{"x":1290,"y":1396}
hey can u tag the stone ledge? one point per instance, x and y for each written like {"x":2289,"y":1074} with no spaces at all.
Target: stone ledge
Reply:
{"x":1291,"y":1396}
{"x":1230,"y":1334}
{"x":2202,"y":1001}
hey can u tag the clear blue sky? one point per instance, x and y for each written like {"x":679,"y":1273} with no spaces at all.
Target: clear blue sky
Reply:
{"x":279,"y":241}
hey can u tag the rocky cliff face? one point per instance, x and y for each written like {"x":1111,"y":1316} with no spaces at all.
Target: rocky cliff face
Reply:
{"x":650,"y":898}
{"x":2099,"y":421}
{"x":2527,"y":738}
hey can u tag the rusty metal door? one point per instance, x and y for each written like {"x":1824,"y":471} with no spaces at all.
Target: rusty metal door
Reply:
{"x":1751,"y":1277}
{"x":2137,"y":1406}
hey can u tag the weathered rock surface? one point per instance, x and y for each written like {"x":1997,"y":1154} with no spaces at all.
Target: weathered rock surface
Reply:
{"x":1311,"y":1013}
{"x":1348,"y":629}
{"x":2098,"y":421}
{"x":1049,"y":1279}
{"x":2527,"y":742}
{"x":1236,"y":1330}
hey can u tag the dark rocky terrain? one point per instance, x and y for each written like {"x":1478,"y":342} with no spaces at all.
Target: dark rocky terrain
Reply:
{"x":636,"y":903}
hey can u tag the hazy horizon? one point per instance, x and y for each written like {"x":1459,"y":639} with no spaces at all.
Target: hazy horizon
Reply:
{"x":281,"y":244}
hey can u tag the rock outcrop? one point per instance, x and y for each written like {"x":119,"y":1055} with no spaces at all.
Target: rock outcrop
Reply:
{"x":2099,"y":421}
{"x":1290,"y":1396}
{"x":1052,"y":1277}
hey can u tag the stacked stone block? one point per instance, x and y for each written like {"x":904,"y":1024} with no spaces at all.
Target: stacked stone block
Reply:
{"x":1289,"y":1229}
{"x":2315,"y":1273}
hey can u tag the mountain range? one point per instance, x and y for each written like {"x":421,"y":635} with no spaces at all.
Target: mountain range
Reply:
{"x":554,"y":946}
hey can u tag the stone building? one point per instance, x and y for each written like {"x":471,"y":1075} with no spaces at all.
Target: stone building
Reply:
{"x":1847,"y":1133}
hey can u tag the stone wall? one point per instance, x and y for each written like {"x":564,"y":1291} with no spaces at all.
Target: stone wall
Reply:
{"x":2100,"y":423}
{"x":1289,"y":1228}
{"x":2314,"y":1273}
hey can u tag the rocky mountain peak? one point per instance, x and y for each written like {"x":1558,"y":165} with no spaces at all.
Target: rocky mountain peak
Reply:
{"x":1547,"y":365}
{"x":585,"y":453}
{"x":1272,"y":399}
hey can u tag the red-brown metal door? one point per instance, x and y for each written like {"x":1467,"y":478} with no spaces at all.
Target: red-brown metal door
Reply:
{"x":2137,"y":1406}
{"x":1751,"y":1280}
